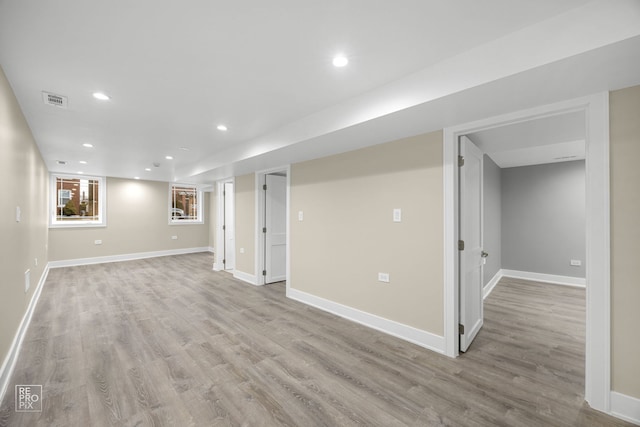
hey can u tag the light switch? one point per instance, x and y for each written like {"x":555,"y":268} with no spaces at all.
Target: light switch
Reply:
{"x":18,"y":214}
{"x":397,"y":215}
{"x":300,"y":215}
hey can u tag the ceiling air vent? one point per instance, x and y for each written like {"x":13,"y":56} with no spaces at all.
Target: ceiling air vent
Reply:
{"x":55,"y":100}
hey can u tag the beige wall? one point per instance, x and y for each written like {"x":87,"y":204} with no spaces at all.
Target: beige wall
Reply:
{"x":245,"y":192}
{"x":625,"y":238}
{"x":137,"y":221}
{"x":348,"y":236}
{"x":25,"y":179}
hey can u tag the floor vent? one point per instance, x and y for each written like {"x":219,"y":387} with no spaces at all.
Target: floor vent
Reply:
{"x":55,"y":100}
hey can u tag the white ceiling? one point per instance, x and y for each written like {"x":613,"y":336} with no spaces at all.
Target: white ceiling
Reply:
{"x":558,"y":138}
{"x":175,"y":70}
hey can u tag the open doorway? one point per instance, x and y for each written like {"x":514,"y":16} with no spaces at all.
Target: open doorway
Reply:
{"x":595,"y":111}
{"x":522,"y":209}
{"x":272,"y":225}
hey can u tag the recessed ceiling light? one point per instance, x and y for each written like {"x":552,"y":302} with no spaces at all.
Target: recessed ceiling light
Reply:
{"x":80,"y":172}
{"x":340,"y":61}
{"x":221,"y":127}
{"x":168,"y":157}
{"x":147,"y":169}
{"x":101,"y":96}
{"x":82,"y":162}
{"x":87,"y":145}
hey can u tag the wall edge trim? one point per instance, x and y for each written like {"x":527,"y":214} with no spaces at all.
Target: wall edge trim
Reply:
{"x":246,"y":277}
{"x":408,"y":333}
{"x":625,"y":407}
{"x":9,"y":363}
{"x":124,"y":257}
{"x":546,"y":278}
{"x":490,"y":286}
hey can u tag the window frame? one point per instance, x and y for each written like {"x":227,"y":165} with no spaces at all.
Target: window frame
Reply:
{"x":80,"y":223}
{"x":199,"y":203}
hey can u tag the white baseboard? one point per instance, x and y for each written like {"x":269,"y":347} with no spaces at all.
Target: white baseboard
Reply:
{"x":124,"y":257}
{"x":246,"y":277}
{"x":625,"y":407}
{"x":211,"y":249}
{"x":546,"y":278}
{"x":408,"y":333}
{"x":9,"y":362}
{"x":488,"y":288}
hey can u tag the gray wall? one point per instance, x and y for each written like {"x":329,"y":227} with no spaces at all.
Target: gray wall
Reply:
{"x":543,"y":218}
{"x":492,"y":218}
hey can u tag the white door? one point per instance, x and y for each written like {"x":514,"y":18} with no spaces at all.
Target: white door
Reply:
{"x":229,"y":227}
{"x":471,"y":234}
{"x":276,"y":228}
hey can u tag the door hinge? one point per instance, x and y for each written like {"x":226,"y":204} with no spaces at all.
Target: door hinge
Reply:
{"x":461,"y":245}
{"x":460,"y":161}
{"x":224,"y":227}
{"x":264,"y":187}
{"x":461,"y":329}
{"x":224,"y":193}
{"x":264,"y":272}
{"x":224,"y":261}
{"x":264,"y":229}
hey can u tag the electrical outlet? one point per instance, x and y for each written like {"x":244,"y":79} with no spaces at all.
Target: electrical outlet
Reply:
{"x":36,"y":262}
{"x":241,"y":250}
{"x":383,"y":277}
{"x":576,"y":262}
{"x":97,"y":242}
{"x":397,"y":215}
{"x":174,"y":237}
{"x":300,"y":215}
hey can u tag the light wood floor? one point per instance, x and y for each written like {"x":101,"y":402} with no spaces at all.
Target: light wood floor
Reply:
{"x":167,"y":341}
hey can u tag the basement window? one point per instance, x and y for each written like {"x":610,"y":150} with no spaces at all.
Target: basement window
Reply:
{"x":77,"y":201}
{"x":185,"y":204}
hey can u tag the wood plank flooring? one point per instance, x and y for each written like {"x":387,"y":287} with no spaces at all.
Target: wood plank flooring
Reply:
{"x":168,"y":342}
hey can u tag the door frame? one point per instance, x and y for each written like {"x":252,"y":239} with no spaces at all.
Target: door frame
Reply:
{"x":260,"y":222}
{"x":218,"y":264}
{"x":598,"y":292}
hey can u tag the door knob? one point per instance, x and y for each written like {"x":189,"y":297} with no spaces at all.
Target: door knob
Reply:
{"x":484,"y":254}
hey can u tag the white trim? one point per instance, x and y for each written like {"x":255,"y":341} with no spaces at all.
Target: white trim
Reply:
{"x":199,"y":207}
{"x":546,"y":278}
{"x":124,"y":257}
{"x":211,"y":249}
{"x":625,"y":407}
{"x":598,"y":319}
{"x":408,"y":333}
{"x":246,"y":277}
{"x":10,"y":360}
{"x":488,"y":288}
{"x":451,"y":271}
{"x":102,"y":202}
{"x":598,"y":256}
{"x":218,"y":265}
